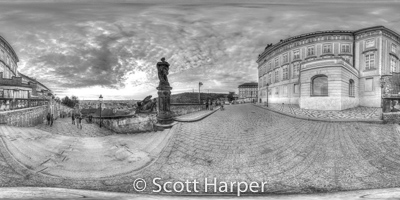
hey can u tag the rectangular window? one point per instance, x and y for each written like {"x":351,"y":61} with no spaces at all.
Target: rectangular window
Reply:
{"x":370,"y":61}
{"x":269,"y":78}
{"x":310,"y":51}
{"x":276,"y":76}
{"x":394,"y":47}
{"x":369,"y":43}
{"x":296,"y":69}
{"x":276,"y":62}
{"x":285,"y":58}
{"x":368,"y":84}
{"x":345,"y":48}
{"x":270,"y":66}
{"x":296,"y":54}
{"x":296,"y":88}
{"x":285,"y":73}
{"x":393,"y":63}
{"x":327,"y":48}
{"x":284,"y":90}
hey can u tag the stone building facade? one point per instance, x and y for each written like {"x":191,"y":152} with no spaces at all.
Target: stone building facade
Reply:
{"x":248,"y":92}
{"x":329,"y":70}
{"x":15,"y":87}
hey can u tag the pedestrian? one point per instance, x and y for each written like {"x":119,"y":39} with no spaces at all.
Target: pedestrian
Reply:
{"x":80,"y":122}
{"x":51,"y":120}
{"x":206,"y":105}
{"x":77,"y":121}
{"x":48,"y":118}
{"x":73,"y":119}
{"x":211,"y":105}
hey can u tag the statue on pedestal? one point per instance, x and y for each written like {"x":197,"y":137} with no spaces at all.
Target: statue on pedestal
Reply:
{"x":164,"y":94}
{"x":162,"y":68}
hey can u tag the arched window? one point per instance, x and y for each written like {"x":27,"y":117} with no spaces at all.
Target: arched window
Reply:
{"x":319,"y":85}
{"x":351,"y":88}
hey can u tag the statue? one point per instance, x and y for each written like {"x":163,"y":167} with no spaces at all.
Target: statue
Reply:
{"x":162,"y":68}
{"x":147,"y":105}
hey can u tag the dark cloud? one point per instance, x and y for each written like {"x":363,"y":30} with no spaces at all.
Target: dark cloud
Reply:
{"x":116,"y":45}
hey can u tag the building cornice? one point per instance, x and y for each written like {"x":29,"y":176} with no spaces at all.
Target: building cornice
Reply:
{"x":290,"y":40}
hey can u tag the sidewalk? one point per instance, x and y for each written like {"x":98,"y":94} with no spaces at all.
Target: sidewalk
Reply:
{"x":353,"y":114}
{"x":64,"y":126}
{"x":196,"y":116}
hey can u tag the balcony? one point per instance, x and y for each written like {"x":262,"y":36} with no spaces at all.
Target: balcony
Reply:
{"x":7,"y":104}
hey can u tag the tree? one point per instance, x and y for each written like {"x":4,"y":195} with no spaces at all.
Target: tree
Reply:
{"x":230,"y":96}
{"x":70,"y":102}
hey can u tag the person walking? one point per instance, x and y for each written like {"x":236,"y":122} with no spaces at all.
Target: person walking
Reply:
{"x":51,"y":120}
{"x":77,"y":121}
{"x":48,"y":118}
{"x":80,"y":122}
{"x":211,"y":105}
{"x":73,"y":119}
{"x":206,"y":105}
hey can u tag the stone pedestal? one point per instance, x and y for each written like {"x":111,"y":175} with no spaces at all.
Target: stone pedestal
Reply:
{"x":163,"y":105}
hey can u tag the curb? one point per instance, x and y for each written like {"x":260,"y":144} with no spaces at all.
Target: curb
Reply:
{"x":371,"y":121}
{"x":197,"y":119}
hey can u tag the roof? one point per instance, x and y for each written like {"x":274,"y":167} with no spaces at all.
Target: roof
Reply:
{"x":9,"y":46}
{"x":33,"y":80}
{"x":249,"y":84}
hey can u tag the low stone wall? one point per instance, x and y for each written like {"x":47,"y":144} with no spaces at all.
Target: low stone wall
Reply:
{"x":143,"y":122}
{"x":137,"y":123}
{"x":391,"y":117}
{"x":24,"y":117}
{"x":182,"y":109}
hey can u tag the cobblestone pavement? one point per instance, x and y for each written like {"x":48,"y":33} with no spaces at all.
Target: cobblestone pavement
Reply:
{"x":64,"y":126}
{"x":352,"y":113}
{"x":195,"y":115}
{"x":246,"y":143}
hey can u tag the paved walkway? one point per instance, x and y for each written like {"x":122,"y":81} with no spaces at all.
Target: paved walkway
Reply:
{"x":352,"y":113}
{"x":195,"y":116}
{"x":78,"y":157}
{"x":61,"y":193}
{"x":244,"y":143}
{"x":64,"y":126}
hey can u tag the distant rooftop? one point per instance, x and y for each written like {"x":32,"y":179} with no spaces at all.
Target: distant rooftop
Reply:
{"x":251,"y":84}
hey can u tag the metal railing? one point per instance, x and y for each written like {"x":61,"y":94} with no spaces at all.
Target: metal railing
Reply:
{"x":20,"y":103}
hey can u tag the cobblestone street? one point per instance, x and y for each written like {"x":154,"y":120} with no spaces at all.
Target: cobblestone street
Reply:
{"x":352,"y":113}
{"x":64,"y":126}
{"x":248,"y":143}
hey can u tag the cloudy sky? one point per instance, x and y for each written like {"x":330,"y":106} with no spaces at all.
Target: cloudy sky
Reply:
{"x":88,"y":48}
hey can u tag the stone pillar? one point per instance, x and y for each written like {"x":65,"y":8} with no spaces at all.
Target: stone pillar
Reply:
{"x":163,"y":105}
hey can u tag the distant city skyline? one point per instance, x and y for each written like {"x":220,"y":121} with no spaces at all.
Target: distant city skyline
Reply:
{"x":108,"y":48}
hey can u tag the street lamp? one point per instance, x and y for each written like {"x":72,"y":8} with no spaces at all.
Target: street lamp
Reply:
{"x":267,"y":93}
{"x":200,"y":84}
{"x":100,"y":101}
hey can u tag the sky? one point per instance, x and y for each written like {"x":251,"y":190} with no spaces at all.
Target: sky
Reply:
{"x":93,"y":47}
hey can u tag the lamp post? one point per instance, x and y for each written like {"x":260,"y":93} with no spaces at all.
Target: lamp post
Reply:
{"x":100,"y":101}
{"x":267,"y":93}
{"x":200,"y":84}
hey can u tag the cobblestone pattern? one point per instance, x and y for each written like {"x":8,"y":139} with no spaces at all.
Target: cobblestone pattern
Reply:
{"x":245,"y":143}
{"x":64,"y":126}
{"x":352,"y":113}
{"x":194,"y":115}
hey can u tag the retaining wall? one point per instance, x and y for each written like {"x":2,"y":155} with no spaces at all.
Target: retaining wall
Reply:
{"x":24,"y":117}
{"x":183,"y":109}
